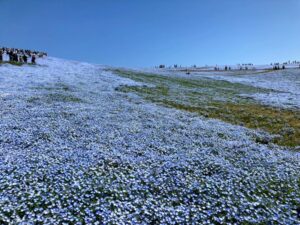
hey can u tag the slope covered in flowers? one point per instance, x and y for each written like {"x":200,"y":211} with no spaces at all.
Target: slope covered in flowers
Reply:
{"x":75,"y":150}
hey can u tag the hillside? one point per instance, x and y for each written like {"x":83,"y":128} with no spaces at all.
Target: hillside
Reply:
{"x":83,"y":143}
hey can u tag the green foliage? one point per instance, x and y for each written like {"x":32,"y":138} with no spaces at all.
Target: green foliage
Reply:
{"x":15,"y":63}
{"x":220,"y":100}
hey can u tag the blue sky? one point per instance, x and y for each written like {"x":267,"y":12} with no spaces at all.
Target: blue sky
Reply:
{"x":142,"y":33}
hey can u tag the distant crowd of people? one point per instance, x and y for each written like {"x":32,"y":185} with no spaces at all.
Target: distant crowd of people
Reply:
{"x":20,"y":55}
{"x":244,"y":66}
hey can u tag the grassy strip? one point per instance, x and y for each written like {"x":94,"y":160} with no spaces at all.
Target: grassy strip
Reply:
{"x":56,"y":87}
{"x":15,"y":63}
{"x":54,"y":97}
{"x":220,"y":100}
{"x":59,"y":92}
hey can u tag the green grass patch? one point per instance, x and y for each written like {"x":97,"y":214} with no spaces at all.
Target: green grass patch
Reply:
{"x":57,"y":97}
{"x":220,"y":100}
{"x":284,"y":123}
{"x":15,"y":63}
{"x":58,"y":92}
{"x":54,"y":97}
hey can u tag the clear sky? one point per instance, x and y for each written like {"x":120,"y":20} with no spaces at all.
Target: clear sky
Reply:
{"x":142,"y":33}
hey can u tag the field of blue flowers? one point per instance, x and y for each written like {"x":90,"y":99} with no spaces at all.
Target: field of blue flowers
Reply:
{"x":73,"y":150}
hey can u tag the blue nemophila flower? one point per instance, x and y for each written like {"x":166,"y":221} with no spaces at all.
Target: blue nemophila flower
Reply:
{"x":74,"y":150}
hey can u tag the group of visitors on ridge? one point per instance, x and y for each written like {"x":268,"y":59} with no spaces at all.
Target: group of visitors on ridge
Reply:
{"x":20,"y":55}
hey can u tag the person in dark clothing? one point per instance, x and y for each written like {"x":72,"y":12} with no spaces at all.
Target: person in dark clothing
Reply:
{"x":24,"y":58}
{"x":10,"y":54}
{"x":15,"y":57}
{"x":33,"y":59}
{"x":1,"y":55}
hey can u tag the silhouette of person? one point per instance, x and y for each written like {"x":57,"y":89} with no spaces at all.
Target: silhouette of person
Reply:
{"x":15,"y":57}
{"x":24,"y":58}
{"x":33,"y":59}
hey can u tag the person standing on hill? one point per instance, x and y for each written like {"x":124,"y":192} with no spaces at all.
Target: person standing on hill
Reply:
{"x":33,"y":59}
{"x":10,"y":54}
{"x":1,"y":55}
{"x":15,"y":57}
{"x":24,"y":58}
